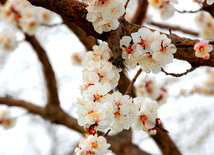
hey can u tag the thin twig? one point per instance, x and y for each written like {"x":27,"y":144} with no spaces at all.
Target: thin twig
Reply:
{"x":133,"y":81}
{"x":127,"y":2}
{"x":52,"y":25}
{"x":184,"y":11}
{"x":173,"y":27}
{"x":106,"y":134}
{"x":179,"y":75}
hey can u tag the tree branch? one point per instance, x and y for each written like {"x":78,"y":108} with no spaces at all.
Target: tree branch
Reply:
{"x":133,"y":81}
{"x":52,"y":93}
{"x":60,"y":117}
{"x":140,"y":12}
{"x":86,"y":40}
{"x":166,"y":145}
{"x":172,"y":27}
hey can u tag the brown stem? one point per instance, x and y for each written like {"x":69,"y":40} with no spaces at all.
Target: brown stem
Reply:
{"x":106,"y":134}
{"x":140,"y":12}
{"x":127,"y":2}
{"x":52,"y":93}
{"x":179,"y":75}
{"x":133,"y":81}
{"x":52,"y":25}
{"x":191,"y":11}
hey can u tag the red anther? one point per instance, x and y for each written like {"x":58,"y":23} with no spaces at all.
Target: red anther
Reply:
{"x":158,"y":121}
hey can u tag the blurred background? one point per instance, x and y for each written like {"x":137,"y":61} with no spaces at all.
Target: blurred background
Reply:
{"x":187,"y":112}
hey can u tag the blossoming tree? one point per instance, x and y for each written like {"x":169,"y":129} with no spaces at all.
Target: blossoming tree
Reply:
{"x":109,"y":101}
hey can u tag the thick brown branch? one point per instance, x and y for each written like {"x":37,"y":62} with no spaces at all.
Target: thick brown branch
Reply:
{"x":114,"y":43}
{"x":52,"y":93}
{"x":140,"y":12}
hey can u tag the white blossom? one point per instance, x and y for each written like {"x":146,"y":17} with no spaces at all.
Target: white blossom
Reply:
{"x":104,"y":14}
{"x":205,"y":22}
{"x":125,"y":111}
{"x":96,"y":145}
{"x":99,"y":114}
{"x":209,"y":2}
{"x":8,"y":41}
{"x":6,"y":120}
{"x":147,"y":114}
{"x":164,"y":7}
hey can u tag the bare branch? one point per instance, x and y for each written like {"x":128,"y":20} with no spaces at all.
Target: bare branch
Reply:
{"x":191,"y":11}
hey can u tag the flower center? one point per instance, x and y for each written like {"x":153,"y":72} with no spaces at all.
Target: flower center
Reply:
{"x":201,"y":48}
{"x":94,"y":145}
{"x":129,"y":50}
{"x":143,"y":118}
{"x":143,"y":43}
{"x":97,"y":97}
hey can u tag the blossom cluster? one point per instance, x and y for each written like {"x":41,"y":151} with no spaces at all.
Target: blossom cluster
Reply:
{"x":205,"y":22}
{"x":101,"y":107}
{"x":22,"y":14}
{"x":164,"y":7}
{"x":150,"y":88}
{"x":104,"y":14}
{"x":92,"y":145}
{"x":6,"y":120}
{"x":150,"y":50}
{"x":209,"y":2}
{"x":202,"y":49}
